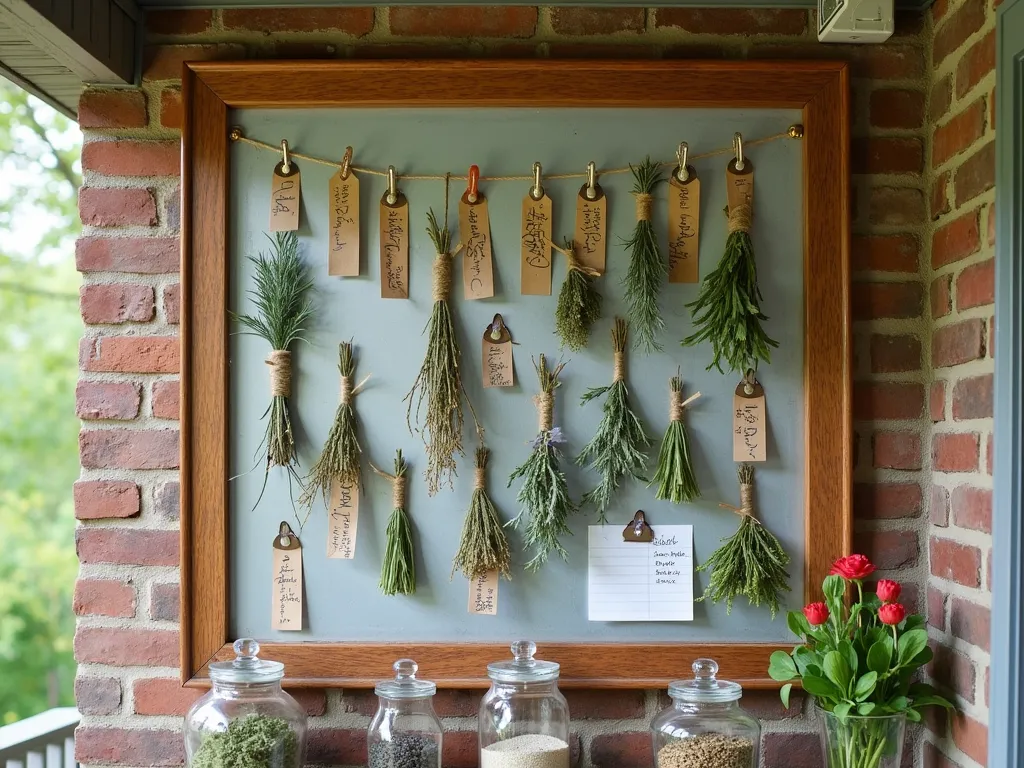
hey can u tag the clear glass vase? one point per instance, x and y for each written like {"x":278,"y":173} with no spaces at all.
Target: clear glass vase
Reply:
{"x":862,"y":742}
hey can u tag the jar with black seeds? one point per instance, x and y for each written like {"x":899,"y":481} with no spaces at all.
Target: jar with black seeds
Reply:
{"x":405,"y":732}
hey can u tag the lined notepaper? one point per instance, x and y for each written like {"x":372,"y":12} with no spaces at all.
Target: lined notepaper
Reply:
{"x":631,"y":581}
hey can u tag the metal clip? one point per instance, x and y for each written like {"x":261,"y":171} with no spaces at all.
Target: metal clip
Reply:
{"x":286,"y":166}
{"x":346,"y":164}
{"x":591,"y":181}
{"x":737,"y":146}
{"x":683,"y":174}
{"x":474,"y":181}
{"x":536,"y":191}
{"x":392,"y":186}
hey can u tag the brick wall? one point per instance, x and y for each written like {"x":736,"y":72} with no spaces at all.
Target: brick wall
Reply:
{"x":127,"y":498}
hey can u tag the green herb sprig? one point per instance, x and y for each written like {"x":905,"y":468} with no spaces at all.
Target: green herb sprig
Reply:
{"x":398,"y":571}
{"x":647,"y":269}
{"x":675,"y":478}
{"x":253,"y":741}
{"x":483,"y":546}
{"x":579,"y":302}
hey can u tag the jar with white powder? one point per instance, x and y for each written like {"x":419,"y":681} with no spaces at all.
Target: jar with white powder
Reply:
{"x":524,"y":718}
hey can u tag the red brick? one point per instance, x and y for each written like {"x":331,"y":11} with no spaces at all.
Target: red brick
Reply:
{"x":888,"y":550}
{"x":597,"y":21}
{"x":937,"y":608}
{"x":876,"y":155}
{"x":941,"y":298}
{"x":958,"y":343}
{"x":954,"y":561}
{"x":975,"y":286}
{"x":953,"y":671}
{"x":933,"y":758}
{"x":359,"y":702}
{"x":895,"y":354}
{"x":126,"y":546}
{"x":145,"y":255}
{"x":164,"y":601}
{"x":970,"y":736}
{"x":956,"y":240}
{"x":103,"y":597}
{"x":766,"y":705}
{"x":122,"y":108}
{"x":129,"y":448}
{"x":896,"y":206}
{"x":96,"y":499}
{"x":990,"y":229}
{"x":129,"y":354}
{"x":108,"y":303}
{"x":163,"y":696}
{"x":97,"y":695}
{"x":954,"y":31}
{"x":976,"y":64}
{"x":938,"y":510}
{"x":313,"y":700}
{"x":470,"y":21}
{"x":167,"y":500}
{"x":972,"y":398}
{"x":164,"y":62}
{"x":972,"y":508}
{"x":616,"y":750}
{"x":172,"y":303}
{"x":132,"y":647}
{"x":132,"y":158}
{"x":114,"y":207}
{"x":937,"y":401}
{"x":351,"y":21}
{"x":887,"y":400}
{"x":939,"y":8}
{"x":872,"y":62}
{"x":599,"y":705}
{"x":955,"y":452}
{"x":940,"y":195}
{"x":940,"y":99}
{"x":976,"y":175}
{"x":107,"y":400}
{"x":897,"y":108}
{"x":886,"y":501}
{"x":885,"y":253}
{"x":874,"y":301}
{"x":970,"y":622}
{"x":896,"y":450}
{"x":180,"y":22}
{"x":165,"y":399}
{"x":958,"y":133}
{"x":128,"y":746}
{"x":335,"y":746}
{"x":734,"y":21}
{"x":789,"y":749}
{"x":171,"y":112}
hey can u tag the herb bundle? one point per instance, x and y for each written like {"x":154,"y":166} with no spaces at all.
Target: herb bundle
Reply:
{"x":579,"y":303}
{"x":675,"y":478}
{"x":647,"y":270}
{"x":398,"y":571}
{"x":439,"y":381}
{"x":483,"y":546}
{"x":544,"y":495}
{"x":282,"y":310}
{"x":751,"y":562}
{"x":617,"y":448}
{"x":253,"y":741}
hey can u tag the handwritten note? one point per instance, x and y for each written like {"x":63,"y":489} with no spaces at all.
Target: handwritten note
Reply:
{"x":739,"y":186}
{"x":285,"y":190}
{"x":343,"y":521}
{"x":498,"y":365}
{"x":477,"y":263}
{"x":684,"y":230}
{"x":628,"y":581}
{"x":343,"y":216}
{"x":749,"y":426}
{"x":535,"y":273}
{"x":483,"y":594}
{"x":286,"y":593}
{"x":591,"y":215}
{"x":394,"y":249}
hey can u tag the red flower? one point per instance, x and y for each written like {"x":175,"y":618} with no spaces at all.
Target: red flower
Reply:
{"x":816,"y":613}
{"x":852,"y":567}
{"x":892,"y":614}
{"x":888,"y":591}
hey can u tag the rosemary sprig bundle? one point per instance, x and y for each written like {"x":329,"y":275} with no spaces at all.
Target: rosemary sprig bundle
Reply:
{"x":439,"y":381}
{"x":579,"y":303}
{"x":398,"y":571}
{"x":339,"y":459}
{"x":727,"y":310}
{"x":675,"y":478}
{"x":751,"y":563}
{"x":544,"y":494}
{"x":282,"y":310}
{"x":617,"y":448}
{"x":647,"y":269}
{"x":483,"y":546}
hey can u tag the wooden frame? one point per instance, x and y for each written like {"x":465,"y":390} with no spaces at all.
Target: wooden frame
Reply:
{"x":820,"y":89}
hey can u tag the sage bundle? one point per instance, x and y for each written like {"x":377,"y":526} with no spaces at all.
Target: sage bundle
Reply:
{"x":398,"y":571}
{"x":339,"y":459}
{"x":579,"y":303}
{"x":675,"y":478}
{"x":282,"y":310}
{"x":751,"y":563}
{"x":647,"y":269}
{"x":483,"y":546}
{"x":544,"y":494}
{"x":439,"y":381}
{"x":617,"y":448}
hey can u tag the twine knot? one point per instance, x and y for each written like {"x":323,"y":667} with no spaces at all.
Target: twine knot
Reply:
{"x":346,"y":390}
{"x":398,"y":492}
{"x":619,"y":365}
{"x":746,"y":507}
{"x":675,"y":405}
{"x":479,"y":478}
{"x":545,"y":411}
{"x":739,"y":218}
{"x":643,"y":206}
{"x":280,"y":362}
{"x":442,"y":273}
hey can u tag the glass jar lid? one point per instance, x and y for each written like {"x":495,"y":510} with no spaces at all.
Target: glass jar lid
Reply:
{"x":705,"y":688}
{"x":523,"y":668}
{"x":246,"y":667}
{"x":405,"y":685}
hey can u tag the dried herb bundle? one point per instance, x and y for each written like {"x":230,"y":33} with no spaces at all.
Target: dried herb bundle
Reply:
{"x":282,"y":310}
{"x":439,"y":381}
{"x":675,"y":478}
{"x":544,"y":495}
{"x":727,"y":310}
{"x":339,"y":459}
{"x":617,"y":448}
{"x":398,"y":571}
{"x":647,"y":269}
{"x":751,"y":562}
{"x":579,"y":303}
{"x":253,"y":741}
{"x":484,"y":545}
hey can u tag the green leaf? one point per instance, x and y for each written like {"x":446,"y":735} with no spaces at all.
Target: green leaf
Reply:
{"x":842,"y":709}
{"x":899,"y":703}
{"x":798,"y":623}
{"x":914,"y":621}
{"x":820,"y":686}
{"x":834,"y":587}
{"x":784,"y":694}
{"x":845,"y":647}
{"x":910,"y":644}
{"x":913,"y":716}
{"x":880,"y":656}
{"x":837,"y":670}
{"x":865,"y":685}
{"x":865,"y":708}
{"x":781,"y":667}
{"x":923,"y":657}
{"x":932,"y":701}
{"x":804,"y":658}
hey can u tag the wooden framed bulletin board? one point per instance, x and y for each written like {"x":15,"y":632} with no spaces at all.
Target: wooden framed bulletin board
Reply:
{"x":815,"y":416}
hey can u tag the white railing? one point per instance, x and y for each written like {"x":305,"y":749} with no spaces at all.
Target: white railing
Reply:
{"x":46,"y":740}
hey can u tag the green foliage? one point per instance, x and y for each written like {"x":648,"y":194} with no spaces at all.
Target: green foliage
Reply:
{"x":647,"y":269}
{"x":579,"y":303}
{"x":675,"y":477}
{"x":483,"y":546}
{"x":398,"y":570}
{"x":253,"y":741}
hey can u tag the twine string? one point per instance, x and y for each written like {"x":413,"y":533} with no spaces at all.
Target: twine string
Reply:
{"x":442,"y":274}
{"x":746,"y":507}
{"x":397,"y":487}
{"x":346,"y":390}
{"x":675,"y":405}
{"x":643,"y":206}
{"x":619,"y":363}
{"x":280,"y":362}
{"x":479,"y":482}
{"x":545,"y":410}
{"x":739,"y":218}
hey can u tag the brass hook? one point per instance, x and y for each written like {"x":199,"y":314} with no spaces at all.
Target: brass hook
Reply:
{"x":683,"y":174}
{"x":737,"y":145}
{"x":591,"y":181}
{"x":286,"y":166}
{"x":346,"y":164}
{"x":392,"y":186}
{"x":474,"y":180}
{"x":536,"y":191}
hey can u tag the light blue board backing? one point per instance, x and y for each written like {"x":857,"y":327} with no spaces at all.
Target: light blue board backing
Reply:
{"x":342,"y":598}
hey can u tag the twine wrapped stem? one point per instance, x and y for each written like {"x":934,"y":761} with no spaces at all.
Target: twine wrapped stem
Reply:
{"x":643,"y":206}
{"x":280,"y":362}
{"x":740,"y":218}
{"x":398,"y":570}
{"x":442,"y":276}
{"x":545,"y":410}
{"x":483,"y":546}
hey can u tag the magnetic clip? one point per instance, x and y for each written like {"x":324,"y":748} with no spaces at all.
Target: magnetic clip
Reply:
{"x":638,"y":529}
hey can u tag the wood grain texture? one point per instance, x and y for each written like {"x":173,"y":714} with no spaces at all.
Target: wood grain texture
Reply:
{"x":820,"y":89}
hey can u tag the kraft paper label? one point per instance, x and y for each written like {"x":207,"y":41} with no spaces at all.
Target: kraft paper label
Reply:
{"x":591,"y":217}
{"x":749,"y":424}
{"x":483,"y":594}
{"x":394,"y":248}
{"x":536,"y":247}
{"x":499,"y":369}
{"x":343,"y":521}
{"x":477,"y":262}
{"x":740,"y":184}
{"x":286,"y":590}
{"x":684,"y":229}
{"x":284,"y":198}
{"x":343,"y":213}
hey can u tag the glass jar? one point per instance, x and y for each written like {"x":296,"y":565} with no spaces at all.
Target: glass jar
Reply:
{"x":705,"y":725}
{"x":405,"y":732}
{"x":246,"y":719}
{"x":524,"y":718}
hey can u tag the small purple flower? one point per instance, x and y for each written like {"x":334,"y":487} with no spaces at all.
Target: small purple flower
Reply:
{"x":549,"y":438}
